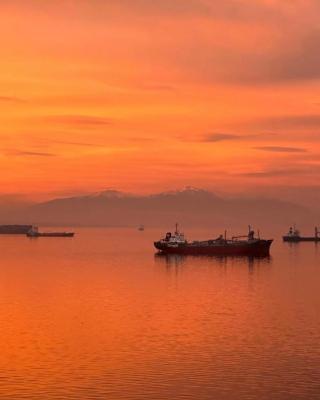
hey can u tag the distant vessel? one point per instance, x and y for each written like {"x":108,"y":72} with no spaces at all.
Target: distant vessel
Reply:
{"x":294,"y":236}
{"x":246,"y":245}
{"x":141,"y":228}
{"x":14,"y":229}
{"x":34,"y":232}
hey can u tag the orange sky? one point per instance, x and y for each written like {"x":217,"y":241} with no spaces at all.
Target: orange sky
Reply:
{"x":147,"y":95}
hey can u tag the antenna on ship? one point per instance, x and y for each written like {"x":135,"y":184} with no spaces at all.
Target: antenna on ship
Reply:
{"x":176,"y":227}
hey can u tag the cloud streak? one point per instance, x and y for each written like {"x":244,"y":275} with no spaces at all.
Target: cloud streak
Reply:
{"x":78,"y":144}
{"x":306,"y":121}
{"x":220,"y":137}
{"x":303,"y":170}
{"x":281,"y":149}
{"x":80,"y":120}
{"x":11,"y":99}
{"x":21,"y":153}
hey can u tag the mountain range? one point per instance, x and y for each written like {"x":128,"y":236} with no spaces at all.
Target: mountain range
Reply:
{"x":191,"y":206}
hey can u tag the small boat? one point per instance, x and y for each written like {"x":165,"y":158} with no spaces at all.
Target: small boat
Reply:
{"x":141,"y":228}
{"x":34,"y":233}
{"x":247,"y":245}
{"x":294,"y":236}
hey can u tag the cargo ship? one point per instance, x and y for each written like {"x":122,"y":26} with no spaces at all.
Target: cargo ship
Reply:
{"x":247,"y":245}
{"x":34,"y":233}
{"x":14,"y":229}
{"x":294,"y":236}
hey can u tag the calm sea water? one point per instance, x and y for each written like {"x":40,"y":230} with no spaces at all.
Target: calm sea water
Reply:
{"x":101,"y":317}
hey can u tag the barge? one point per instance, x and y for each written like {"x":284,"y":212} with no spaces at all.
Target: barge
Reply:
{"x":34,"y":233}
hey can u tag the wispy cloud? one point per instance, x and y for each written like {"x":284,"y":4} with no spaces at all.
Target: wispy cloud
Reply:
{"x":290,"y":56}
{"x":84,"y":120}
{"x":177,"y":8}
{"x":287,"y":122}
{"x":281,"y":149}
{"x":274,"y":173}
{"x":247,"y":10}
{"x":230,"y":10}
{"x":219,"y":137}
{"x":11,"y":99}
{"x":300,"y":170}
{"x":78,"y":144}
{"x":22,"y":153}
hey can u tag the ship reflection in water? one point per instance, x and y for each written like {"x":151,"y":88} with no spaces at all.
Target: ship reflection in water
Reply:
{"x":180,"y":260}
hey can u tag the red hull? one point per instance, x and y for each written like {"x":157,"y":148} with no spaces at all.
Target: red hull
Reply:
{"x":254,"y":248}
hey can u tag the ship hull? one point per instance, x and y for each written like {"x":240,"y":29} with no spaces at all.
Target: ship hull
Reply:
{"x":254,"y":248}
{"x":53,"y":234}
{"x":300,"y":239}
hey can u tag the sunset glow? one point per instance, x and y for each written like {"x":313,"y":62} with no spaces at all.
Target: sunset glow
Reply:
{"x":146,"y":96}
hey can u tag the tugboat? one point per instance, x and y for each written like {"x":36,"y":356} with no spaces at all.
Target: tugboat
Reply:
{"x":34,"y":233}
{"x":247,"y":245}
{"x":294,"y":236}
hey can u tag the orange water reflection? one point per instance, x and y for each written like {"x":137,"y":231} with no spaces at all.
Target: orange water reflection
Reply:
{"x":99,"y":316}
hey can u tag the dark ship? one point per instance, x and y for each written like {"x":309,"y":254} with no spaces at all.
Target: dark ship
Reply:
{"x":34,"y":233}
{"x":294,"y":236}
{"x":247,"y":245}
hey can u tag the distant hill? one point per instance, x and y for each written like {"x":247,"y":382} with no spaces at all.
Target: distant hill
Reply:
{"x":12,"y":208}
{"x":190,"y":206}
